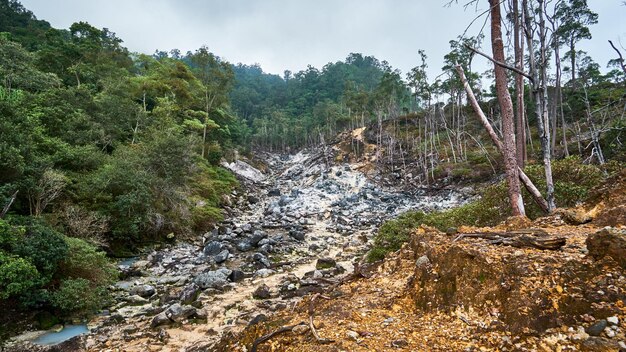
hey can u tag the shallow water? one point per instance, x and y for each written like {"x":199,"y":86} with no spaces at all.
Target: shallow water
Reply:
{"x":128,"y":261}
{"x":69,"y":331}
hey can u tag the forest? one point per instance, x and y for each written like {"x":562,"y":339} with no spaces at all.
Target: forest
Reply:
{"x":104,"y":150}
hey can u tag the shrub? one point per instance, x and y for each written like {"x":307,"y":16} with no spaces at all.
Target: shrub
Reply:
{"x":78,"y":296}
{"x":42,"y":246}
{"x":84,"y":261}
{"x":205,"y":216}
{"x":17,"y":275}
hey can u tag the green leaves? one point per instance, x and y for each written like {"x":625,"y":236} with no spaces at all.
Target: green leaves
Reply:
{"x":17,"y":275}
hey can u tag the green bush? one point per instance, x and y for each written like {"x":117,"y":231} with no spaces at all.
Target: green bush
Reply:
{"x":79,"y":296}
{"x":84,"y":261}
{"x":42,"y":246}
{"x":205,"y":216}
{"x":17,"y":275}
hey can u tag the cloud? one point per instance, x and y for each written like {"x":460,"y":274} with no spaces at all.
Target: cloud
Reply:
{"x":286,"y":34}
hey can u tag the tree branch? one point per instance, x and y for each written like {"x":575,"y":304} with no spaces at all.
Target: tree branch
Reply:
{"x":8,"y":205}
{"x":534,"y":192}
{"x":501,"y":64}
{"x":621,"y":58}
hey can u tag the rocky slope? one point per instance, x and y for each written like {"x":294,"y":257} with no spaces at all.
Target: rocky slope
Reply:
{"x":294,"y":230}
{"x":444,"y":292}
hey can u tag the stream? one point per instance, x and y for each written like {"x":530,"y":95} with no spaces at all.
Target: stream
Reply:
{"x":295,"y":229}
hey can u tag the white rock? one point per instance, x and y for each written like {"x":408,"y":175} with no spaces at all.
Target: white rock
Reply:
{"x":613,"y":320}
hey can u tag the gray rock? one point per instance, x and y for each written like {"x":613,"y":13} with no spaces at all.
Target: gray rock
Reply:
{"x":178,"y":313}
{"x":189,"y":294}
{"x":236,"y":276}
{"x":325,"y":263}
{"x":135,"y":300}
{"x":422,"y":261}
{"x":143,"y":290}
{"x":244,"y":246}
{"x":212,"y":248}
{"x":614,"y":320}
{"x":253,"y":199}
{"x":160,"y":319}
{"x":211,"y":279}
{"x":246,"y":227}
{"x":261,"y":259}
{"x":597,"y":328}
{"x":298,"y":235}
{"x":257,"y":236}
{"x":222,"y":256}
{"x":274,"y":192}
{"x":263,"y":272}
{"x":262,"y":292}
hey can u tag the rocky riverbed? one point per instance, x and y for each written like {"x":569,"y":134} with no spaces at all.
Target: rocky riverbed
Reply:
{"x":298,"y":227}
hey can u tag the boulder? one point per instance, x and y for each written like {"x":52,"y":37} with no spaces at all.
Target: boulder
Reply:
{"x":212,"y":248}
{"x":178,"y":313}
{"x":211,"y":279}
{"x":236,"y":276}
{"x":325,"y":263}
{"x":608,"y":242}
{"x":143,"y":291}
{"x":257,"y":236}
{"x":189,"y":294}
{"x":261,"y":259}
{"x":244,"y":246}
{"x":221,"y":256}
{"x":160,"y":319}
{"x":262,"y":292}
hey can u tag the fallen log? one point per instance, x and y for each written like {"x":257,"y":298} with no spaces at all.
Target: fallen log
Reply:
{"x":531,"y":238}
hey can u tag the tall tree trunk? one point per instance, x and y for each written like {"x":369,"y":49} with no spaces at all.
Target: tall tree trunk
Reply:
{"x":545,"y":132}
{"x":559,"y":96}
{"x":520,"y":129}
{"x":572,"y":48}
{"x":506,"y":109}
{"x":540,"y":98}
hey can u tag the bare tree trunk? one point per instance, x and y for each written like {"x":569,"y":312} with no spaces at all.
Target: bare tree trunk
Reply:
{"x":6,"y":208}
{"x":540,"y":97}
{"x":520,"y":129}
{"x":595,"y":135}
{"x":559,"y":97}
{"x":506,"y":108}
{"x":545,"y":131}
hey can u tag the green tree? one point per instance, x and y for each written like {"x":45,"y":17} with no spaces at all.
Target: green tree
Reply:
{"x":575,"y":17}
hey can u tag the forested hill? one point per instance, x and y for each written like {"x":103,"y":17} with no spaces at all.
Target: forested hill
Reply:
{"x":299,"y":109}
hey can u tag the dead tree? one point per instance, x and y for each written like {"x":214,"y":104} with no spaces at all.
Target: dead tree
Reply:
{"x":540,"y":96}
{"x":520,"y":128}
{"x":506,"y":109}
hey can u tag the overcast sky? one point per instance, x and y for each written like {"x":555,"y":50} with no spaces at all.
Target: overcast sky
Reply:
{"x":290,"y":34}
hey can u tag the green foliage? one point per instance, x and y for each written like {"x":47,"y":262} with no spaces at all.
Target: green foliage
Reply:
{"x":17,"y":275}
{"x":85,"y":262}
{"x":204,"y":216}
{"x":392,"y":234}
{"x":78,"y":296}
{"x":42,"y":246}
